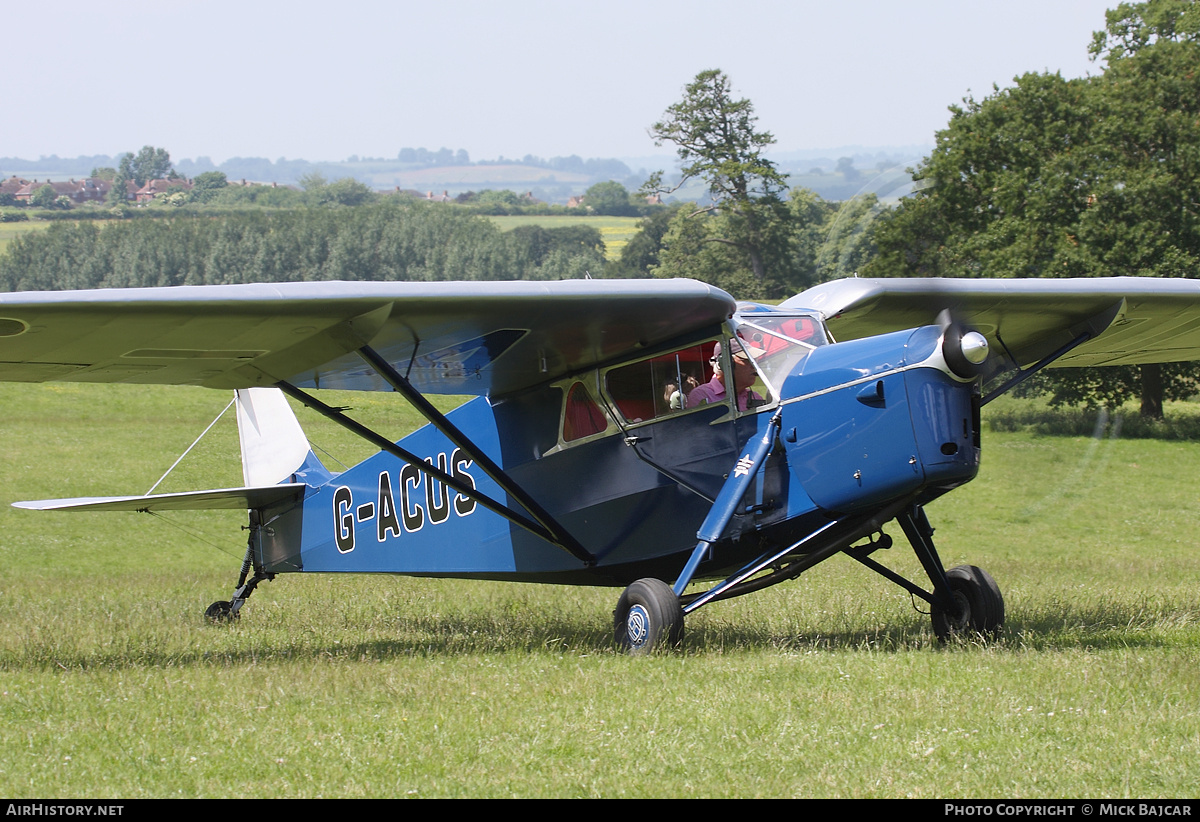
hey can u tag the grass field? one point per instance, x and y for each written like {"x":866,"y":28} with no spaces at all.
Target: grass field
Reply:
{"x":113,"y":685}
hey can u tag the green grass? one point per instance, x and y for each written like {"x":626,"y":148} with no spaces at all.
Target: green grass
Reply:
{"x":113,"y":685}
{"x":615,"y":231}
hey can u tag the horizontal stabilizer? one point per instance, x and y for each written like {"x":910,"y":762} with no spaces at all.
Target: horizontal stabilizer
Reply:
{"x":223,"y":498}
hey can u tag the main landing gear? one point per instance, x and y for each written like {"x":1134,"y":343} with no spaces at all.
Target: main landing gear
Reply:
{"x":978,"y":606}
{"x":965,"y":601}
{"x":648,"y":616}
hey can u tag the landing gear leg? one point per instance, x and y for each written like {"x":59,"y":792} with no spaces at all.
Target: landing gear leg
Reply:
{"x":228,"y":610}
{"x":965,"y":600}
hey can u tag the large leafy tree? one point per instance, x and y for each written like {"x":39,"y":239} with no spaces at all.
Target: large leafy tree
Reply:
{"x":718,"y":143}
{"x":1132,"y":26}
{"x":1072,"y":178}
{"x":752,"y":262}
{"x":207,"y":185}
{"x":1001,"y":191}
{"x":148,"y":164}
{"x":609,"y":198}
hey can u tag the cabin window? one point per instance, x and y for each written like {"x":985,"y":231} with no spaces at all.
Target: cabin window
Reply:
{"x":583,"y":417}
{"x":658,"y":387}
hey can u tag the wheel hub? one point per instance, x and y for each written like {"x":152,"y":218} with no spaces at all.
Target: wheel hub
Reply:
{"x":962,"y":620}
{"x":637,"y":625}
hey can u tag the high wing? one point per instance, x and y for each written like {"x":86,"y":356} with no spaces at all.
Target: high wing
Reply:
{"x":446,"y":338}
{"x":1125,"y":320}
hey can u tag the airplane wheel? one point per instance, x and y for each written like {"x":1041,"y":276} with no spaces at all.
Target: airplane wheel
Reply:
{"x":220,"y":612}
{"x":980,"y":604}
{"x":648,"y":617}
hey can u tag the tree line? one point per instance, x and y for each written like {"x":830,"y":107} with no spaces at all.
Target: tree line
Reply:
{"x":390,"y":241}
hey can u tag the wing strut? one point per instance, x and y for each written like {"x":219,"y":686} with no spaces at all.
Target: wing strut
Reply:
{"x":570,"y":545}
{"x":439,"y":421}
{"x":1087,"y":330}
{"x":1025,"y":373}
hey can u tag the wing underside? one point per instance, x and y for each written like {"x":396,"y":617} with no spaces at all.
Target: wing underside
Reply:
{"x":448,"y":338}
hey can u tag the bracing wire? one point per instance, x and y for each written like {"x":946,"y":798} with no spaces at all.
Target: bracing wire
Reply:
{"x":326,"y":453}
{"x":190,"y":447}
{"x":194,"y":534}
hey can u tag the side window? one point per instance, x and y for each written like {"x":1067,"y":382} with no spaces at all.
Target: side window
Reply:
{"x":659,"y":386}
{"x":582,"y":417}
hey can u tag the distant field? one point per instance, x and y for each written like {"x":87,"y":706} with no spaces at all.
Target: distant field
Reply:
{"x":615,"y":231}
{"x":10,"y":230}
{"x":113,"y":685}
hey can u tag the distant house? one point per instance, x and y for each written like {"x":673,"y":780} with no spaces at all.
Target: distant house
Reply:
{"x":153,"y":188}
{"x":444,"y":197}
{"x":90,"y":190}
{"x":87,"y":190}
{"x":12,"y":185}
{"x":575,"y":202}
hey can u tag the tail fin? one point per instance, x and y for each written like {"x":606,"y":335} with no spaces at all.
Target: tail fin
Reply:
{"x":274,"y":448}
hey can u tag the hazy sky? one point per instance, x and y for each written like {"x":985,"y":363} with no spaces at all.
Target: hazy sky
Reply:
{"x":326,"y":80}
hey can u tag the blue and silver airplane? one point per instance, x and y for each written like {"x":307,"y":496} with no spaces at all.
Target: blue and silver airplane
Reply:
{"x":653,"y":435}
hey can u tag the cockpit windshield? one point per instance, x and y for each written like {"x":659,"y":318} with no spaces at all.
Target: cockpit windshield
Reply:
{"x":778,"y":343}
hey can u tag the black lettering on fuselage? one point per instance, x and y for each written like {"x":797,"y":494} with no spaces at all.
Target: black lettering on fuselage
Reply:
{"x":343,"y":532}
{"x":437,"y":496}
{"x":418,"y":499}
{"x":387,"y":509}
{"x":413,"y":513}
{"x":458,"y":467}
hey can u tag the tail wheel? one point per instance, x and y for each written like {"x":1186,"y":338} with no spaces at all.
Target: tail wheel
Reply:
{"x":648,"y":617}
{"x":221,"y":612}
{"x":980,"y":607}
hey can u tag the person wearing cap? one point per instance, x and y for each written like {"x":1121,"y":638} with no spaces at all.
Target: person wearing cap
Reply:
{"x":743,"y":377}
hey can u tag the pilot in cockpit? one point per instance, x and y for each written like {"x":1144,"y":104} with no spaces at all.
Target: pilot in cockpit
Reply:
{"x":744,"y":376}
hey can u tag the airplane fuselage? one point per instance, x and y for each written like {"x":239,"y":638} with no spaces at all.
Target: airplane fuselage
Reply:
{"x":630,"y":468}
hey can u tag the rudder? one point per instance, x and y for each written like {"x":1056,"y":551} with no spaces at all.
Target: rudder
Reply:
{"x":274,"y":447}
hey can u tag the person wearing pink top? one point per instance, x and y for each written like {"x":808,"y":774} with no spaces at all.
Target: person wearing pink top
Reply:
{"x":714,"y":390}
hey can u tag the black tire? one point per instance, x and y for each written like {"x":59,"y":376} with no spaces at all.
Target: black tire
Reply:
{"x":980,"y":603}
{"x":220,"y":612}
{"x":648,"y":617}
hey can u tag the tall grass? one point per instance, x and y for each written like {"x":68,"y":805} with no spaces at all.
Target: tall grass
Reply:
{"x":113,"y":685}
